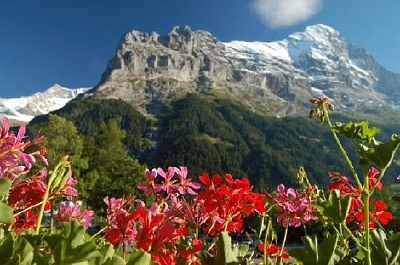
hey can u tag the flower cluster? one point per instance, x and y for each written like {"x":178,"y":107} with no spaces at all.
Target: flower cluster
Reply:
{"x":356,"y":211}
{"x":226,"y":200}
{"x":74,"y":211}
{"x":178,"y":209}
{"x":294,"y":208}
{"x":14,"y":160}
{"x":29,"y":190}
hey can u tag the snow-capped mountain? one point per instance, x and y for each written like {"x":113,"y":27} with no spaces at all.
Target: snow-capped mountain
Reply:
{"x":271,"y":77}
{"x":24,"y":109}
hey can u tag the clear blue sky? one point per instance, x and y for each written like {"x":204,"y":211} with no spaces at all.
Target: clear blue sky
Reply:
{"x":69,"y":42}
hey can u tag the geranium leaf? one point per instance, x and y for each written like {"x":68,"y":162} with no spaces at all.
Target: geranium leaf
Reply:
{"x":356,"y":130}
{"x":7,"y":214}
{"x":6,"y":248}
{"x":384,"y":251}
{"x":380,"y":154}
{"x":139,"y":257}
{"x":5,"y":185}
{"x":24,"y":251}
{"x":73,"y":246}
{"x":225,"y":254}
{"x":314,"y":253}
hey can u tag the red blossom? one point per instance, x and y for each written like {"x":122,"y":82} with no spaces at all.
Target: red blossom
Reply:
{"x":379,"y":216}
{"x":25,"y":220}
{"x":228,"y":199}
{"x":372,"y":180}
{"x":189,"y":254}
{"x":120,"y":227}
{"x":272,"y":250}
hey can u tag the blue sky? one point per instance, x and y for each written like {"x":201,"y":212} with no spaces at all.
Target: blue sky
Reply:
{"x":69,"y":42}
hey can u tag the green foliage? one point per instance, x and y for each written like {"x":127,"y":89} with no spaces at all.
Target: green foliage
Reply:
{"x":88,"y":114}
{"x":139,"y":257}
{"x":384,"y":251}
{"x":63,"y":139}
{"x":314,"y":253}
{"x":213,"y":134}
{"x":113,"y":171}
{"x":7,"y":215}
{"x":226,"y":254}
{"x":70,"y":246}
{"x":334,"y":208}
{"x":218,"y":135}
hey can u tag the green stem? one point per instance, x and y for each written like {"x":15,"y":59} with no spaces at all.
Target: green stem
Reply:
{"x":98,"y":233}
{"x":46,"y":197}
{"x":266,"y":241}
{"x":279,"y":260}
{"x":341,"y":148}
{"x":365,"y":197}
{"x":355,"y":239}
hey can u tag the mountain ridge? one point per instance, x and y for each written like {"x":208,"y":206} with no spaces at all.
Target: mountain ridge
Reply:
{"x":274,"y":78}
{"x":24,"y":109}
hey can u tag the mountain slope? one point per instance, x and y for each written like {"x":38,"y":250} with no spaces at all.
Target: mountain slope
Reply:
{"x":24,"y":109}
{"x":274,"y":78}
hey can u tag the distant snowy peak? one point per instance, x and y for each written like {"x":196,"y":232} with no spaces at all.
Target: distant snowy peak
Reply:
{"x":319,"y":41}
{"x":24,"y":109}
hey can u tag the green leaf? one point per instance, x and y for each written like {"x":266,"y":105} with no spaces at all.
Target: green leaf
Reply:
{"x":384,"y":251}
{"x":6,"y":248}
{"x":5,"y":185}
{"x":380,"y":154}
{"x":139,"y":257}
{"x":72,"y":246}
{"x":314,"y":253}
{"x":225,"y":254}
{"x":24,"y":250}
{"x":7,"y":214}
{"x":335,"y":208}
{"x":356,"y":130}
{"x":107,"y":257}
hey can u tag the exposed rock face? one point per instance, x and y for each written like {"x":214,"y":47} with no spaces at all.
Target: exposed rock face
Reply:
{"x":275,"y":78}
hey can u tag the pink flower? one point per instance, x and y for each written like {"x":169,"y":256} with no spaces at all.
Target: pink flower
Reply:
{"x":68,"y":190}
{"x":149,"y":187}
{"x":67,"y":213}
{"x":185,"y":185}
{"x":295,"y":208}
{"x":168,"y":185}
{"x":120,"y":223}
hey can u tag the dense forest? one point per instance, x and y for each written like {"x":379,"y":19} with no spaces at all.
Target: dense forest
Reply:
{"x":110,"y":143}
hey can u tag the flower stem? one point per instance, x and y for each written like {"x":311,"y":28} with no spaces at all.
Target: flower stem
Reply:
{"x":46,"y":197}
{"x":279,"y":260}
{"x":341,"y":148}
{"x":266,"y":241}
{"x":365,"y":196}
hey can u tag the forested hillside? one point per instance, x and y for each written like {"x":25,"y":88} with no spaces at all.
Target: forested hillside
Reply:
{"x":204,"y":133}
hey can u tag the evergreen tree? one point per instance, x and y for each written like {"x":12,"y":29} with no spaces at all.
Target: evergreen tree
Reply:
{"x":63,"y":139}
{"x":115,"y":171}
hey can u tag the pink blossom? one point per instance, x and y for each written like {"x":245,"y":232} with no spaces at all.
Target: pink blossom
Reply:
{"x":185,"y":185}
{"x":168,"y":185}
{"x":149,"y":187}
{"x":67,"y":213}
{"x":68,"y":190}
{"x":295,"y":208}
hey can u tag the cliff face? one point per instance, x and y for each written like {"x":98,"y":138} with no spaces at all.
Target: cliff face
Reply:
{"x":275,"y":78}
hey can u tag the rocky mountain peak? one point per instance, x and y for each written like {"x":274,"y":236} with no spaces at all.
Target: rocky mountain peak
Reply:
{"x":271,"y":77}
